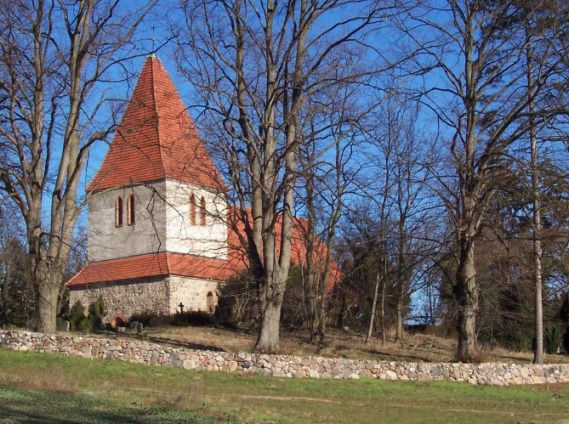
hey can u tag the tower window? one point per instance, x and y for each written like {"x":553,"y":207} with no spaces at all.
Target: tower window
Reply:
{"x":130,"y":213}
{"x":193,"y":209}
{"x":202,"y":211}
{"x":118,"y":212}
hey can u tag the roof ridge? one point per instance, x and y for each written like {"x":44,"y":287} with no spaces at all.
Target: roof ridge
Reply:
{"x":159,"y":140}
{"x":155,"y":103}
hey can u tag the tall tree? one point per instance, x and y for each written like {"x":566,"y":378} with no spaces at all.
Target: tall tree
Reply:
{"x":254,"y":63}
{"x":53,"y":57}
{"x":474,"y":57}
{"x":332,"y":132}
{"x":544,"y":28}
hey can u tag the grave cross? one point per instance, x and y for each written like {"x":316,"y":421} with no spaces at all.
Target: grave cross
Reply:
{"x":181,"y":306}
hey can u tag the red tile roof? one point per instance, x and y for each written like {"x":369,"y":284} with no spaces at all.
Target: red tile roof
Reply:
{"x":155,"y":265}
{"x":156,"y":139}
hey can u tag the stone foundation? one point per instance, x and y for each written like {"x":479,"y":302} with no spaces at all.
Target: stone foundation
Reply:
{"x":142,"y":352}
{"x":124,"y":298}
{"x":155,"y":296}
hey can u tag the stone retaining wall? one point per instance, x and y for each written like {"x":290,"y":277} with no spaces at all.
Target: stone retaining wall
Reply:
{"x":143,"y":352}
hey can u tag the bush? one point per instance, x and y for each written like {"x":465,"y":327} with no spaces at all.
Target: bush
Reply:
{"x":518,"y":342}
{"x":238,"y":306}
{"x":552,"y":339}
{"x":144,"y":317}
{"x":77,"y":319}
{"x":195,"y":318}
{"x":97,"y":312}
{"x":566,"y":341}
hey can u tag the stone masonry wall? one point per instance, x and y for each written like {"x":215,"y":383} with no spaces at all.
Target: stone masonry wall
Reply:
{"x":143,"y":352}
{"x":122,"y":299}
{"x":193,"y":293}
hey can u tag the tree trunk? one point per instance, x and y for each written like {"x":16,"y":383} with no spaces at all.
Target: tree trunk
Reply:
{"x":48,"y":277}
{"x":321,"y":312}
{"x":537,"y":279}
{"x":399,"y":317}
{"x":268,"y":338}
{"x":373,"y":309}
{"x":383,"y":295}
{"x":466,"y":296}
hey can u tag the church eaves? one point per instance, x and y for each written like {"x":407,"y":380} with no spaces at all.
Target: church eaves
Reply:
{"x":156,"y":139}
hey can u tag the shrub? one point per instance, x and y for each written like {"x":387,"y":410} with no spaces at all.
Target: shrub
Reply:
{"x":566,"y":341}
{"x":552,"y":339}
{"x":518,"y":342}
{"x":97,"y":312}
{"x":237,"y":307}
{"x":77,"y":319}
{"x":195,"y":318}
{"x":564,"y":310}
{"x":144,"y":317}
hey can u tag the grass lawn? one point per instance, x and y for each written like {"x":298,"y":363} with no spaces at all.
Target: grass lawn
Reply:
{"x":45,"y":388}
{"x":38,"y":406}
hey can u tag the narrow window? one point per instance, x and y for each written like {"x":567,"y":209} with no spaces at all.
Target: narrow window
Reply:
{"x":202,"y":211}
{"x":130,"y":209}
{"x":210,"y":303}
{"x":118,"y":212}
{"x":193,"y":209}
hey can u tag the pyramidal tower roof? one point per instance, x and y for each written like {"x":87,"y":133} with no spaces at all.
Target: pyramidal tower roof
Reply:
{"x":156,"y":139}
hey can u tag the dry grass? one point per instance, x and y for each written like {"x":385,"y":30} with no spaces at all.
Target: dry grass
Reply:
{"x":416,"y":347}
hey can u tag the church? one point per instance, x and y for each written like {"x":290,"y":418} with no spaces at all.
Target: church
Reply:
{"x":160,"y":230}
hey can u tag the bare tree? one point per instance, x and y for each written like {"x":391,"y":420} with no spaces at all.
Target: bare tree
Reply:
{"x":255,"y":64}
{"x":544,"y":36}
{"x":474,"y":60}
{"x":53,"y":56}
{"x":327,"y":174}
{"x":401,"y":160}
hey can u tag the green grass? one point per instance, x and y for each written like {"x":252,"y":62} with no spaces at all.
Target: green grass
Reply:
{"x":54,"y":388}
{"x":35,"y":406}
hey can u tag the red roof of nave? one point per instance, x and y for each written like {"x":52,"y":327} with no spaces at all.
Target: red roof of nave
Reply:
{"x":154,"y":265}
{"x":156,"y":139}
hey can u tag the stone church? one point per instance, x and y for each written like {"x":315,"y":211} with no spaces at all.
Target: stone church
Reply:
{"x":158,"y":232}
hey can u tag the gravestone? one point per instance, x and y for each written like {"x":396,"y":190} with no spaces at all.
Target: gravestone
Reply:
{"x":63,"y":326}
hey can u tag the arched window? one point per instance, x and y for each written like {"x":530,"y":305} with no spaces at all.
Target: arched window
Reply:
{"x":130,"y":210}
{"x":193,"y":209}
{"x":202,"y":211}
{"x":118,"y":212}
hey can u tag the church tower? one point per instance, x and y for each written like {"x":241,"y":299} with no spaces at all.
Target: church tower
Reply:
{"x":157,"y":211}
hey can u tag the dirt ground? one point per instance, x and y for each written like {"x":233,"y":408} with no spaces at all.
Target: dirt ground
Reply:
{"x":344,"y":344}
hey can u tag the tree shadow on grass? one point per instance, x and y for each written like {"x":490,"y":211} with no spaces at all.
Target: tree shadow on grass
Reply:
{"x":164,"y":341}
{"x":40,"y":407}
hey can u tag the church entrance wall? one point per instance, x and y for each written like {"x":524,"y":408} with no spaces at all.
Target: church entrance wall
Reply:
{"x":193,"y":294}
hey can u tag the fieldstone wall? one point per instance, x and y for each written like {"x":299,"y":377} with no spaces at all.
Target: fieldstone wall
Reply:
{"x":143,"y":352}
{"x":193,"y":293}
{"x":123,"y":298}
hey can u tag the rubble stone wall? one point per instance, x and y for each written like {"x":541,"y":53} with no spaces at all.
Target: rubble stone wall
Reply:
{"x":124,"y":298}
{"x":144,"y":352}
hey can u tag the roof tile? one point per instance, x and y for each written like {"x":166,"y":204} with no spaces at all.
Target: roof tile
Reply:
{"x":156,"y":139}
